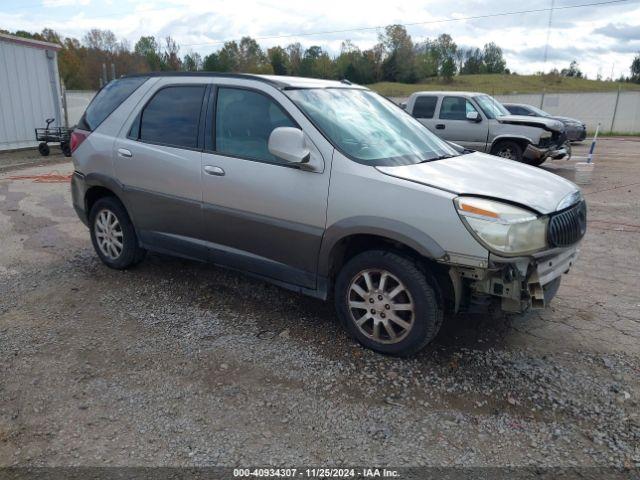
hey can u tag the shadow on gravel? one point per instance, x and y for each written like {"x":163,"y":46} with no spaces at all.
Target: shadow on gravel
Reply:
{"x":277,"y":310}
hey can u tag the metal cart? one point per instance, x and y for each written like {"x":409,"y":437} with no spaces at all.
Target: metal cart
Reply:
{"x":60,"y":135}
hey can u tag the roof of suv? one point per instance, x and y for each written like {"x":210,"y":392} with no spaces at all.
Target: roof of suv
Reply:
{"x":282,"y":82}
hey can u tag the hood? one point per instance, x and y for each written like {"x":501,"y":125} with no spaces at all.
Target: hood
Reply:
{"x":567,"y":120}
{"x":540,"y":122}
{"x":488,"y":176}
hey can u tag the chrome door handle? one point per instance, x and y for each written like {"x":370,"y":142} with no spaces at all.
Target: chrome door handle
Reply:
{"x":211,"y":170}
{"x":123,"y":152}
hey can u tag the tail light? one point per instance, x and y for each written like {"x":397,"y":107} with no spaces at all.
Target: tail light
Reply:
{"x":77,"y":137}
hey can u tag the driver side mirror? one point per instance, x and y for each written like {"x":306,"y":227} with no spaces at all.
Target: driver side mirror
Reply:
{"x":288,"y":144}
{"x":473,"y":116}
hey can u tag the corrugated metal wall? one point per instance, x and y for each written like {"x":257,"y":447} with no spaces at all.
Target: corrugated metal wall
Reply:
{"x":28,"y":93}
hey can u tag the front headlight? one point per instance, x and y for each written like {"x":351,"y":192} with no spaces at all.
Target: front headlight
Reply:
{"x":545,"y":134}
{"x":501,"y":227}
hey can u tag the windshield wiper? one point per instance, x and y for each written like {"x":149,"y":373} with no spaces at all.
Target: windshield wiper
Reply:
{"x":441,"y":157}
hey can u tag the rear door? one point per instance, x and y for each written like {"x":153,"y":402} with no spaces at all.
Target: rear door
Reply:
{"x":261,"y":214}
{"x":452,"y":123}
{"x":158,"y":161}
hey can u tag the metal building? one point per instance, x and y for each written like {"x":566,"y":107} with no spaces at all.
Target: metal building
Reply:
{"x":29,"y":90}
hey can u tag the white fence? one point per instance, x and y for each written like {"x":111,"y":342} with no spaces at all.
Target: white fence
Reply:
{"x":615,"y":111}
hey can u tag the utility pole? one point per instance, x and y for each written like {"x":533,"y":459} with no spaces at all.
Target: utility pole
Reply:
{"x":546,"y":46}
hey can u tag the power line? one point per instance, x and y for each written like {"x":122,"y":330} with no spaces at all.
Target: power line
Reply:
{"x":447,"y":20}
{"x":546,"y":45}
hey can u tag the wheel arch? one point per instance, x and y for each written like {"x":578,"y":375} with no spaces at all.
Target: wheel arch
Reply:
{"x":519,"y":139}
{"x":352,"y":236}
{"x":100,"y":186}
{"x":372,"y":231}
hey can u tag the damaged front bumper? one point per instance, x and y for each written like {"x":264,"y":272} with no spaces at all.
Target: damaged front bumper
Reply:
{"x":537,"y":153}
{"x":519,"y":284}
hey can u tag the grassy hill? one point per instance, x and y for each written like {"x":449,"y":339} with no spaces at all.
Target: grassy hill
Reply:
{"x":503,"y":84}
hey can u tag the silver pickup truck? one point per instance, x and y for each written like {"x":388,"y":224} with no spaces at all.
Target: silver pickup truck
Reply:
{"x":479,"y":122}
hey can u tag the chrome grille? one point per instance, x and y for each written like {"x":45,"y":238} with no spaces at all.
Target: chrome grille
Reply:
{"x":569,"y":226}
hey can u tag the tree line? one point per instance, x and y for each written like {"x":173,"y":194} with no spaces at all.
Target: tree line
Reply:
{"x":395,"y":58}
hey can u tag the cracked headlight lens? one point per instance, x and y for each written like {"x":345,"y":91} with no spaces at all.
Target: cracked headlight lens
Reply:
{"x":501,"y":227}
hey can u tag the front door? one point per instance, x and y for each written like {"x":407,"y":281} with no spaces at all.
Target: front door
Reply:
{"x":159,"y":162}
{"x":452,"y":123}
{"x":261,"y":214}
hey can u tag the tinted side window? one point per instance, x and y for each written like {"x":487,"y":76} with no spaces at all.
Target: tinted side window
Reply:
{"x":424,"y":107}
{"x":455,"y":108}
{"x":244,"y":121}
{"x":107,"y":100}
{"x":172,"y":116}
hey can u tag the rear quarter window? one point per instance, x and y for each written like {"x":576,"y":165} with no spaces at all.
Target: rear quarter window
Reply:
{"x":107,"y":100}
{"x":425,"y":107}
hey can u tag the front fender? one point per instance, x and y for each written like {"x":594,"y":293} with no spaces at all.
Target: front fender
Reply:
{"x":383,"y":227}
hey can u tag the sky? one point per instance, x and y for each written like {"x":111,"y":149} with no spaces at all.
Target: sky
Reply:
{"x":602,"y":38}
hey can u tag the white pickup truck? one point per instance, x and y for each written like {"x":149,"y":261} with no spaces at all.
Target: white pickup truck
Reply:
{"x":477,"y":121}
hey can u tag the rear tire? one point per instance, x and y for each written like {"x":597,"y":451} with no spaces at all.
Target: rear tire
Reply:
{"x":398,"y":315}
{"x":113,"y":235}
{"x":508,"y":149}
{"x":43,"y":148}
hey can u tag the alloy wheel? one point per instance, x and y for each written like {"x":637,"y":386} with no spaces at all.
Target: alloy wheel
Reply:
{"x":109,"y":234}
{"x":381,"y":306}
{"x":506,"y":152}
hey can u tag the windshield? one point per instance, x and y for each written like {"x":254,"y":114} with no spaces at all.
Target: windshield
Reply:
{"x":537,"y":111}
{"x":368,"y":128}
{"x":491,"y":107}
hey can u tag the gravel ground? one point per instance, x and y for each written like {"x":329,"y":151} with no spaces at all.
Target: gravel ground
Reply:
{"x":184,"y":364}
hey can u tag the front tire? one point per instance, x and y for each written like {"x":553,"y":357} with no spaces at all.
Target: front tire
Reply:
{"x":112,"y":234}
{"x":385,"y":301}
{"x":508,"y":149}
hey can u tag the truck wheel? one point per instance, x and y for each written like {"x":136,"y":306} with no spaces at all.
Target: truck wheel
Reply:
{"x":112,"y":234}
{"x":508,"y":149}
{"x":386,"y":302}
{"x":43,"y":148}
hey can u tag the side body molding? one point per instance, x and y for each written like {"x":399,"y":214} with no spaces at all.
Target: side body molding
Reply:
{"x":383,"y":227}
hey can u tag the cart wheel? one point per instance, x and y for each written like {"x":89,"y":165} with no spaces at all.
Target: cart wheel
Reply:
{"x":43,"y":148}
{"x":66,"y":149}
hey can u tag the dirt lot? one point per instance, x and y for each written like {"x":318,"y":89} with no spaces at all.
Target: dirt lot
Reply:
{"x":179,"y":363}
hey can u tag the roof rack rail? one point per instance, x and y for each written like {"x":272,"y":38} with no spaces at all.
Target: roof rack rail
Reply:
{"x":247,"y":76}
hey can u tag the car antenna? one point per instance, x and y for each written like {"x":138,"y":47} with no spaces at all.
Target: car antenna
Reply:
{"x":346,"y":82}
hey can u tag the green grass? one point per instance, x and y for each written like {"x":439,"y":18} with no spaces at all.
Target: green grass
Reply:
{"x":502,"y":84}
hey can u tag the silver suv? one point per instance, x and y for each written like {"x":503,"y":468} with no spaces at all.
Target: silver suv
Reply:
{"x":479,"y":122}
{"x":325,"y":188}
